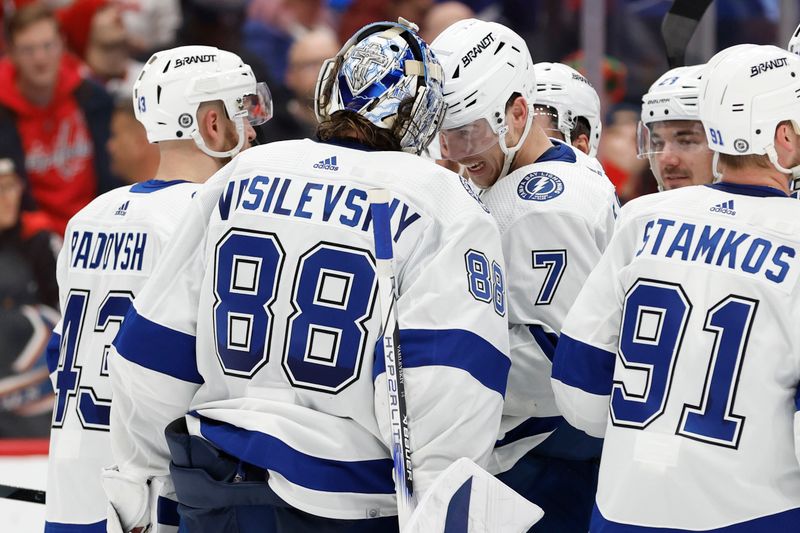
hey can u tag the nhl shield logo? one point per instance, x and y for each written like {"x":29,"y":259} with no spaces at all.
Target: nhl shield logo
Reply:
{"x":540,"y":187}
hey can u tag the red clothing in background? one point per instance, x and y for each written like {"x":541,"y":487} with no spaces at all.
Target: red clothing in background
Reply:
{"x":56,"y":142}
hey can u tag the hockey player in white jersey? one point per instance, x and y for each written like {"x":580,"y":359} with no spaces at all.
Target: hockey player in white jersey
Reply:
{"x":193,"y":102}
{"x":556,"y":215}
{"x":670,"y":133}
{"x":262,"y":322}
{"x":682,"y":348}
{"x":567,"y":106}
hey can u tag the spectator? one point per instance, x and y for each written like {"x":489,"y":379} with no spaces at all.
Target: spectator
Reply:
{"x":306,"y":56}
{"x":28,"y":290}
{"x":94,"y":30}
{"x":150,"y":24}
{"x":53,"y":123}
{"x":442,"y":15}
{"x":273,"y":25}
{"x":133,"y":157}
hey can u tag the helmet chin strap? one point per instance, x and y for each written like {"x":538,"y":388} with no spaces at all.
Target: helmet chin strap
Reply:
{"x":714,"y":163}
{"x":198,"y":140}
{"x":794,"y":172}
{"x":510,"y":153}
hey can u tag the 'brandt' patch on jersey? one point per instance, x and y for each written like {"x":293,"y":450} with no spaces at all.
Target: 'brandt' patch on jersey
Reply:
{"x":540,"y":186}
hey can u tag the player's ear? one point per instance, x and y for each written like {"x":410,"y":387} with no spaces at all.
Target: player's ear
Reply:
{"x":581,"y":142}
{"x":211,"y":125}
{"x":517,"y":113}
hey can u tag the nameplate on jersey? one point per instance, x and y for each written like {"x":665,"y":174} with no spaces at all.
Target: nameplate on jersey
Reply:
{"x":125,"y":251}
{"x":540,"y":187}
{"x":317,"y":202}
{"x":766,"y":258}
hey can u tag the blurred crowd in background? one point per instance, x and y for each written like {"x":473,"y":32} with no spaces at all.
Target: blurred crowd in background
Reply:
{"x":68,"y":131}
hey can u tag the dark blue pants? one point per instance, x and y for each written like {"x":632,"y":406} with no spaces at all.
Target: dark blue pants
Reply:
{"x":217,"y":493}
{"x":560,"y":476}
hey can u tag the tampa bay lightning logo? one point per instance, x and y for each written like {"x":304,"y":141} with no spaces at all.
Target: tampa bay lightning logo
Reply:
{"x":540,"y":187}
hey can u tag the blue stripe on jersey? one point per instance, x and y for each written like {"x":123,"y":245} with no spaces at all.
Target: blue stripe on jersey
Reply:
{"x":326,"y":475}
{"x":785,"y":521}
{"x":146,"y":187}
{"x":581,"y":365}
{"x":53,"y":347}
{"x":157,"y":347}
{"x":167,"y":512}
{"x":546,"y":341}
{"x":797,"y":399}
{"x":55,"y":527}
{"x":450,"y":347}
{"x":530,"y":428}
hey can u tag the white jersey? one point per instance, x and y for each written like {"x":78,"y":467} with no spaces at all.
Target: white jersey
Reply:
{"x":556,"y":217}
{"x":683,"y":350}
{"x":262,"y":324}
{"x":110,"y":249}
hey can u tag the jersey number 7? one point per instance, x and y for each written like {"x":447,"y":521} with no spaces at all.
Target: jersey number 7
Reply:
{"x":555,"y":261}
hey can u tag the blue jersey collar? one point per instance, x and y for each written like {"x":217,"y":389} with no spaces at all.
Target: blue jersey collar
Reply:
{"x":149,"y":186}
{"x":558,"y":152}
{"x":748,"y":190}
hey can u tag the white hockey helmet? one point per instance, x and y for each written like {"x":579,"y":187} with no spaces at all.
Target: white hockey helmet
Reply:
{"x":794,"y":42}
{"x":382,"y":66}
{"x":173,"y":83}
{"x":568,"y":92}
{"x":674,"y":96}
{"x":745,"y":94}
{"x":484,"y":64}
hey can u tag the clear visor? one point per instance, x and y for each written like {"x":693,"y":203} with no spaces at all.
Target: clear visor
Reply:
{"x":258,"y":105}
{"x":466,"y":141}
{"x":670,"y":136}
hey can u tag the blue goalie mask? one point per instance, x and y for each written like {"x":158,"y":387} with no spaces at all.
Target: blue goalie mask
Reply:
{"x":388,"y":75}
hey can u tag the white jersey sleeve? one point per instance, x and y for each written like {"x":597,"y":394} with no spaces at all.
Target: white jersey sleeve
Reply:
{"x":556,"y":217}
{"x":154,"y":374}
{"x":263,"y":322}
{"x":682,"y":351}
{"x":111,"y":247}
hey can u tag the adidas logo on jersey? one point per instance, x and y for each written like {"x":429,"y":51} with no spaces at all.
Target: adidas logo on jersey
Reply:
{"x":123,"y":209}
{"x":726,"y":208}
{"x":327,"y":164}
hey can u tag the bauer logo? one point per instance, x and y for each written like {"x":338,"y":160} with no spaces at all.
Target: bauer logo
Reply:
{"x":205,"y":58}
{"x":540,"y":187}
{"x":755,"y":70}
{"x":482,"y":45}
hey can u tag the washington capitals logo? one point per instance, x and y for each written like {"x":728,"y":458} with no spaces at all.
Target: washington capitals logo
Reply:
{"x":540,"y":186}
{"x":366,"y":64}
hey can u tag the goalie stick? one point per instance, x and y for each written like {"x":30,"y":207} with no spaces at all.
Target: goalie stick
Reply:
{"x":390,"y":339}
{"x":23,"y":495}
{"x":678,"y":27}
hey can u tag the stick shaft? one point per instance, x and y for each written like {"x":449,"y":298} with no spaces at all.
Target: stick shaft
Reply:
{"x":22,"y":494}
{"x":392,"y":354}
